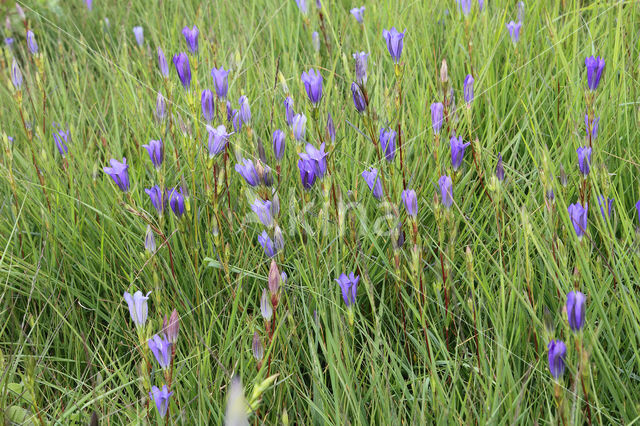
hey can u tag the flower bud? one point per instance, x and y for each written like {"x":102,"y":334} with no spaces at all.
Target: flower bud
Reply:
{"x":444,"y":72}
{"x":171,"y":328}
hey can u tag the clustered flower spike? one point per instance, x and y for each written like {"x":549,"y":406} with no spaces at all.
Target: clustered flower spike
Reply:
{"x":349,"y":286}
{"x":137,"y":307}
{"x":394,"y":41}
{"x":312,"y":81}
{"x":119,"y":173}
{"x":576,"y":309}
{"x":191,"y":36}
{"x":557,"y":354}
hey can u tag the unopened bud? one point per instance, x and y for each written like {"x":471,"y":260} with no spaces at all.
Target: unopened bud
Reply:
{"x":171,"y":327}
{"x":444,"y":72}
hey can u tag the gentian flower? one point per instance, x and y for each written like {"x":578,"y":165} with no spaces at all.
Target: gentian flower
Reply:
{"x":181,"y":62}
{"x":446,"y":191}
{"x":375,"y":185}
{"x":361,"y":67}
{"x":31,"y":42}
{"x":592,"y":128}
{"x":138,"y":32}
{"x":480,"y":5}
{"x":20,"y":12}
{"x":89,"y":4}
{"x":468,"y":88}
{"x":221,"y":81}
{"x":312,"y":81}
{"x":316,"y":157}
{"x":457,"y":151}
{"x":299,"y":127}
{"x":267,"y":244}
{"x":557,"y":354}
{"x":584,"y":160}
{"x":262,"y":209}
{"x":465,"y":5}
{"x":119,"y":174}
{"x":161,"y":349}
{"x":218,"y":138}
{"x":274,"y":278}
{"x":176,"y":201}
{"x":171,"y":328}
{"x":191,"y":36}
{"x":388,"y":143}
{"x":331,"y":128}
{"x":358,"y":97}
{"x":638,"y":209}
{"x":394,"y":41}
{"x":207,"y":105}
{"x":302,"y":5}
{"x":595,"y":66}
{"x":149,"y":241}
{"x":256,"y":346}
{"x":358,"y":13}
{"x":289,"y":113}
{"x":156,"y":152}
{"x":349,"y":286}
{"x":514,"y":31}
{"x":157,"y":199}
{"x":230,"y":112}
{"x":602,"y":203}
{"x":315,"y":41}
{"x":161,"y":398}
{"x":61,"y":138}
{"x":137,"y":307}
{"x":162,"y":63}
{"x":278,"y":140}
{"x":410,"y":201}
{"x":437,"y":112}
{"x":237,"y":121}
{"x":245,"y":111}
{"x":500,"y":168}
{"x":576,"y":309}
{"x":9,"y":41}
{"x":161,"y":107}
{"x":248,"y":171}
{"x":578,"y":216}
{"x":265,"y":306}
{"x":16,"y":75}
{"x":307,"y":173}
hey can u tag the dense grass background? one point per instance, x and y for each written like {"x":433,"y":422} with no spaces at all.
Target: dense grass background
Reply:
{"x":67,"y":344}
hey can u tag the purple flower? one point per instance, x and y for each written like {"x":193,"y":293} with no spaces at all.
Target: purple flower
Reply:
{"x":149,"y":241}
{"x":437,"y":112}
{"x":161,"y":398}
{"x":137,"y":307}
{"x":307,"y":173}
{"x":457,"y":151}
{"x":161,"y":107}
{"x":61,"y":138}
{"x":267,"y":244}
{"x":349,"y":286}
{"x":468,"y":88}
{"x":394,"y":43}
{"x":218,"y":138}
{"x":500,"y":168}
{"x":446,"y":191}
{"x":388,"y":143}
{"x":245,"y":111}
{"x":358,"y":13}
{"x":156,"y":152}
{"x":289,"y":113}
{"x":176,"y":201}
{"x":31,"y":42}
{"x":557,"y":354}
{"x":207,"y":105}
{"x":316,"y":157}
{"x":266,"y":310}
{"x":89,"y":4}
{"x":638,"y":209}
{"x":602,"y":203}
{"x":584,"y":160}
{"x":361,"y":67}
{"x":181,"y":62}
{"x":595,"y":66}
{"x":262,"y":209}
{"x":230,"y":112}
{"x":256,"y":344}
{"x":299,"y":127}
{"x":480,"y":5}
{"x":237,"y":122}
{"x":312,"y":81}
{"x":576,"y":309}
{"x":119,"y":174}
{"x":161,"y":349}
{"x":20,"y":11}
{"x":278,"y":140}
{"x":410,"y":201}
{"x":302,"y":5}
{"x":465,"y":5}
{"x":191,"y":36}
{"x":578,"y":216}
{"x":221,"y":81}
{"x":514,"y":30}
{"x":16,"y":75}
{"x":248,"y":171}
{"x":171,"y":328}
{"x":331,"y":128}
{"x":157,"y":200}
{"x":9,"y":41}
{"x":315,"y":41}
{"x":592,"y":128}
{"x":162,"y":63}
{"x":371,"y":177}
{"x":358,"y":97}
{"x":138,"y":32}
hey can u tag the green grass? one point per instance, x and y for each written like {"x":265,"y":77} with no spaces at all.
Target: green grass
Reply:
{"x":71,"y":248}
